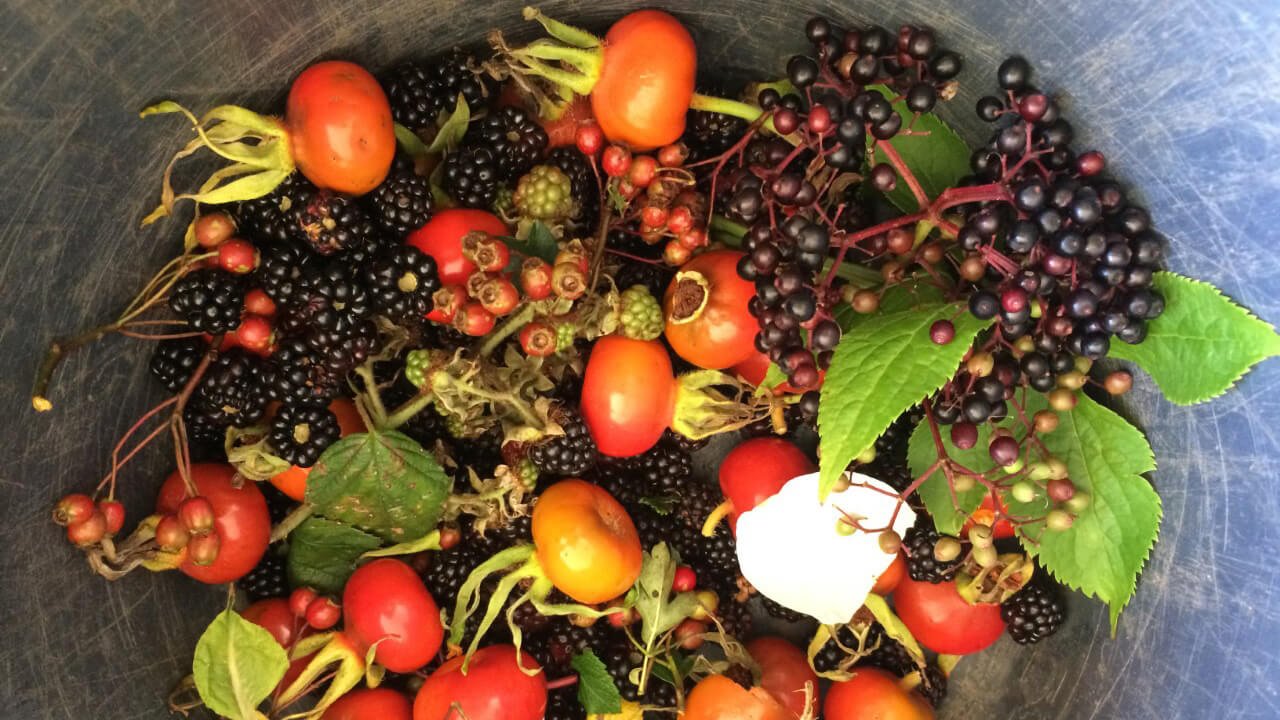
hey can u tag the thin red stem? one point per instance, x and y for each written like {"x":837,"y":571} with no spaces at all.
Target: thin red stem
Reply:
{"x":922,"y":199}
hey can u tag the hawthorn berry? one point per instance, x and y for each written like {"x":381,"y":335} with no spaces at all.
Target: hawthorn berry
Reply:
{"x":73,"y":509}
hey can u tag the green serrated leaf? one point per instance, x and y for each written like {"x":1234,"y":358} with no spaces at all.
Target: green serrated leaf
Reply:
{"x":880,"y":369}
{"x":381,"y":482}
{"x":323,"y":554}
{"x":1202,"y":344}
{"x":452,"y":129}
{"x":934,"y":154}
{"x":596,"y":692}
{"x":949,"y":513}
{"x":906,"y":295}
{"x":236,"y":666}
{"x":1104,"y":550}
{"x":661,"y":504}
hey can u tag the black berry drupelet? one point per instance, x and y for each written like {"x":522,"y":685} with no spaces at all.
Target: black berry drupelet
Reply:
{"x":332,"y":300}
{"x":210,"y":300}
{"x":175,"y":360}
{"x":781,"y":612}
{"x":562,"y":704}
{"x":268,"y":579}
{"x":1034,"y":613}
{"x":270,"y":218}
{"x":331,"y":223}
{"x":233,"y":390}
{"x":448,"y":569}
{"x":471,"y":176}
{"x":402,"y":203}
{"x":709,"y":134}
{"x":921,"y":564}
{"x":400,"y":281}
{"x":419,"y":92}
{"x":283,"y":269}
{"x":831,"y":654}
{"x":572,"y":453}
{"x":514,"y":136}
{"x":300,"y":433}
{"x":482,"y":453}
{"x":300,"y":374}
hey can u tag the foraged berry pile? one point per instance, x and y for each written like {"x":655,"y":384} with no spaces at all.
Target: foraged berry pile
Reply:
{"x":464,"y":360}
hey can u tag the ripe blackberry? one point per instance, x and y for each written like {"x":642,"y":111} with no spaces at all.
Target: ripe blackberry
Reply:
{"x":300,"y":374}
{"x":514,"y":136}
{"x":448,"y":569}
{"x":401,"y":280}
{"x":420,"y":91}
{"x":402,"y":203}
{"x":830,"y":655}
{"x":471,"y":176}
{"x":283,"y":269}
{"x":735,"y":618}
{"x":685,"y":444}
{"x":268,"y":579}
{"x":205,"y":440}
{"x":921,"y":564}
{"x":481,"y":453}
{"x":331,"y":223}
{"x":662,"y":470}
{"x":570,"y":454}
{"x":270,"y":218}
{"x":781,"y":612}
{"x":582,"y":179}
{"x":709,"y":134}
{"x":332,"y":300}
{"x":562,"y":704}
{"x":933,"y":685}
{"x":1034,"y":613}
{"x":300,"y":433}
{"x":233,"y":391}
{"x":175,"y":360}
{"x":209,"y":300}
{"x":715,"y":559}
{"x":559,"y":645}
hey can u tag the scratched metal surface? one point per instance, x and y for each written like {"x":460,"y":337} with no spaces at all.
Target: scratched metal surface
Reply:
{"x":1181,"y":95}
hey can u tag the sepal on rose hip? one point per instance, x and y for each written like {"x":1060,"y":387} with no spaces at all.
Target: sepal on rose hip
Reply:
{"x":335,"y":655}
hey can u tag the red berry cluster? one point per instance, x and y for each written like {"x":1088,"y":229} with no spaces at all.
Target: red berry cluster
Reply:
{"x":320,"y":612}
{"x":88,"y":522}
{"x":191,"y":527}
{"x":255,"y":332}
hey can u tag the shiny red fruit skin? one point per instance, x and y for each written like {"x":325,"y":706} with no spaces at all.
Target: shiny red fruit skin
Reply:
{"x":942,"y":621}
{"x":386,"y":601}
{"x":340,"y":129}
{"x":240,"y":519}
{"x":441,"y":238}
{"x":722,"y":333}
{"x":275,"y":616}
{"x":756,"y":470}
{"x":628,"y":394}
{"x":371,"y":704}
{"x":494,"y":688}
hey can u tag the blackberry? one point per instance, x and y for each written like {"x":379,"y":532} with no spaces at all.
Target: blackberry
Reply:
{"x":482,"y":453}
{"x":557,"y":647}
{"x":402,"y":203}
{"x":205,"y":440}
{"x":209,"y":300}
{"x":740,"y":674}
{"x":342,"y":351}
{"x":270,"y":218}
{"x":268,"y":579}
{"x":331,"y":300}
{"x":933,"y":685}
{"x":686,"y":444}
{"x":662,"y":469}
{"x":471,"y":176}
{"x":283,"y":269}
{"x":300,"y":374}
{"x":562,"y":704}
{"x":921,"y":564}
{"x":300,"y":433}
{"x":709,"y":134}
{"x":331,"y":223}
{"x":735,"y":618}
{"x":781,"y":612}
{"x":582,"y":180}
{"x":400,"y":281}
{"x":570,"y":454}
{"x":514,"y":136}
{"x":448,"y":569}
{"x":1034,"y":613}
{"x":527,"y":618}
{"x":420,"y":91}
{"x":233,"y":391}
{"x":830,"y":655}
{"x":175,"y":360}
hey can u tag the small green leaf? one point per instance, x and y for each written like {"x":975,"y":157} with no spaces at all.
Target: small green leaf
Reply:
{"x":382,"y":482}
{"x":452,"y":129}
{"x":410,"y":143}
{"x":1202,"y":343}
{"x":596,"y":691}
{"x":881,"y":368}
{"x":933,"y":152}
{"x":1104,"y":550}
{"x":894,"y":627}
{"x":949,"y":514}
{"x":661,"y":504}
{"x":323,"y":554}
{"x":659,"y":611}
{"x":541,"y":243}
{"x":236,"y":666}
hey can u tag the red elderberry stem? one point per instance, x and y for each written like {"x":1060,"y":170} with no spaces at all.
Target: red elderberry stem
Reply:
{"x":922,"y":198}
{"x":564,"y":682}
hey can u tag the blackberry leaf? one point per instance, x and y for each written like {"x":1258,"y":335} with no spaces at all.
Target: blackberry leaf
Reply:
{"x":323,"y":554}
{"x":1202,"y":344}
{"x":880,"y":369}
{"x":596,"y":690}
